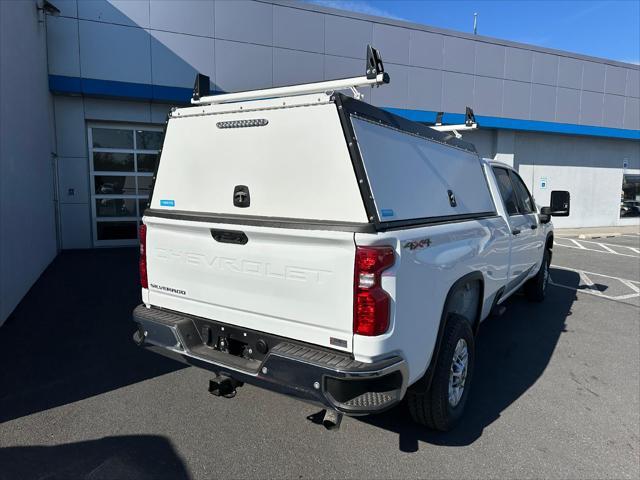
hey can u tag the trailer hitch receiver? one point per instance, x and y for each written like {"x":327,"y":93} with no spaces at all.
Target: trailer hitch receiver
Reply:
{"x":222,"y":386}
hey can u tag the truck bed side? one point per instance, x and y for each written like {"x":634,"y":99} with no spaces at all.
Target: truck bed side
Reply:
{"x":429,"y":261}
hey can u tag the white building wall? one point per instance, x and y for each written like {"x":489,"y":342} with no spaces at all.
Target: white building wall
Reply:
{"x":27,"y":210}
{"x":591,"y":169}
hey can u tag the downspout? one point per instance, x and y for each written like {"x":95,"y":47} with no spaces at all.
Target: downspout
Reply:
{"x":54,"y":152}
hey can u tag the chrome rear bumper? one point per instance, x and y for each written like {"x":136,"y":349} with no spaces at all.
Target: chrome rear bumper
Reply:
{"x":324,"y":377}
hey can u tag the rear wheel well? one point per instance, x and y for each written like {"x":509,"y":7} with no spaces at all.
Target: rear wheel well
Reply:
{"x":465,"y":300}
{"x":458,"y":299}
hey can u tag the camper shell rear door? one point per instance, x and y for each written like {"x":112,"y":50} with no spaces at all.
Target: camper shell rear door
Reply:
{"x":280,"y":259}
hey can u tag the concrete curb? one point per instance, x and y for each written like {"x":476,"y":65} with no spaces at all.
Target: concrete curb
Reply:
{"x":598,"y":232}
{"x":586,"y":236}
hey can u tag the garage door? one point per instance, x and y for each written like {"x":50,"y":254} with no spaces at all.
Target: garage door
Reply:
{"x":122,"y":160}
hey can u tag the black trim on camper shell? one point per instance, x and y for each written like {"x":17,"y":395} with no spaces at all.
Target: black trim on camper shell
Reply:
{"x":425,"y":222}
{"x":361,"y":109}
{"x":254,"y":220}
{"x":356,"y":159}
{"x":307,"y":224}
{"x":155,"y":172}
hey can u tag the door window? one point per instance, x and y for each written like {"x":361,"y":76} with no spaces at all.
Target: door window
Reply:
{"x":122,"y":162}
{"x":525,"y":202}
{"x":507,"y":191}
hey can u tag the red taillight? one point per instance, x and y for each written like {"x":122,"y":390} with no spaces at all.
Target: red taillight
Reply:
{"x":370,"y":301}
{"x":144,"y":282}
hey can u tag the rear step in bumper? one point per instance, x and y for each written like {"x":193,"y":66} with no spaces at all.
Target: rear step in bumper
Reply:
{"x":321,"y":376}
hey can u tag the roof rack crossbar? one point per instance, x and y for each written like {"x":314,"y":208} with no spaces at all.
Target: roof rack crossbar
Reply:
{"x":470,"y":123}
{"x":375,"y":76}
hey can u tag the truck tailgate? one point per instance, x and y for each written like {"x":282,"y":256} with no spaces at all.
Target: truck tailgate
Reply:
{"x":288,"y":282}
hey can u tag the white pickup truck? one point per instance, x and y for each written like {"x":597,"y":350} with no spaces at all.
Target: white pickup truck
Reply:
{"x":304,"y":241}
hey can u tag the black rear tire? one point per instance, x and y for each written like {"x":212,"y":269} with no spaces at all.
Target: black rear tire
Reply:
{"x":432,"y":407}
{"x":535,"y":288}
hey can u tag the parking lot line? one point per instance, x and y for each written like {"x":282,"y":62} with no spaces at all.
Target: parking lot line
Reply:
{"x":629,"y":283}
{"x":582,"y":247}
{"x":606,"y":245}
{"x":587,"y":281}
{"x":596,"y":293}
{"x":560,"y":267}
{"x":626,"y":297}
{"x":603,"y":245}
{"x":590,"y":288}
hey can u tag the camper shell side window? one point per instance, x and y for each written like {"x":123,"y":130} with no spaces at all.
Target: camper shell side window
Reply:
{"x":414,"y":174}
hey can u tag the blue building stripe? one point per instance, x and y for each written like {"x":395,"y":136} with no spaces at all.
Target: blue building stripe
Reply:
{"x":107,"y":88}
{"x":171,"y":94}
{"x":60,"y":84}
{"x":160,"y":93}
{"x":517,"y":124}
{"x":123,"y":90}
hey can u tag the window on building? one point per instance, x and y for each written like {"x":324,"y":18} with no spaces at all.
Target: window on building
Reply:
{"x":630,"y":196}
{"x":122,"y":161}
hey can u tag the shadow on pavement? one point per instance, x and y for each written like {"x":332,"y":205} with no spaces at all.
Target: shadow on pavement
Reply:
{"x":70,"y":337}
{"x":512,"y":352}
{"x":136,"y":456}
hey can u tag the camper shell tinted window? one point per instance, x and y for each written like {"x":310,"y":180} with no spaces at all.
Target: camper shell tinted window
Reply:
{"x":416,"y":174}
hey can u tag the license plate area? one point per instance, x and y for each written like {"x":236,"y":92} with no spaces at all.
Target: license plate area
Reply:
{"x":234,"y":341}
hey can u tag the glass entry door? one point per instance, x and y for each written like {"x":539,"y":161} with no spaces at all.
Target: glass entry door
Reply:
{"x":122,"y":162}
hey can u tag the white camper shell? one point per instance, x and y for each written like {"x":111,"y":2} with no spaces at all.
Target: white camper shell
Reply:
{"x":318,"y":246}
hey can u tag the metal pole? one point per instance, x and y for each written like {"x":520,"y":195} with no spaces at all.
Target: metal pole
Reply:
{"x":475,"y":23}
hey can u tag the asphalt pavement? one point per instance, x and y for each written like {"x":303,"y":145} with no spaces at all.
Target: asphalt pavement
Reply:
{"x":555,"y":393}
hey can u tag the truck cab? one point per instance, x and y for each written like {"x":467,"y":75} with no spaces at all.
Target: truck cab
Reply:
{"x":530,"y":233}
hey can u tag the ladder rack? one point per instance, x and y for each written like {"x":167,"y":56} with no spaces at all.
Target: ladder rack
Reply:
{"x":375,"y":76}
{"x":470,"y":123}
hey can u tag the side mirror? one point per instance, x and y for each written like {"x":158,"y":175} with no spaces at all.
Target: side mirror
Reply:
{"x":560,"y":204}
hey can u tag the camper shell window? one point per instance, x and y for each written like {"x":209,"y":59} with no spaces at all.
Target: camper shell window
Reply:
{"x":415,"y":174}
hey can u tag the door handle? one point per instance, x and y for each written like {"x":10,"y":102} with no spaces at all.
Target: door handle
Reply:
{"x":515,"y":231}
{"x":229,"y":236}
{"x":534,"y":226}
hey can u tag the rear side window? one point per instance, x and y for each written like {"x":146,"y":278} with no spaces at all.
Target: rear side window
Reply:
{"x":507,"y":191}
{"x":525,"y":203}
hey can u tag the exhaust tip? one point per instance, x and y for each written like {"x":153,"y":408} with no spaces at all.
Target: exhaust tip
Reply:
{"x":332,"y":420}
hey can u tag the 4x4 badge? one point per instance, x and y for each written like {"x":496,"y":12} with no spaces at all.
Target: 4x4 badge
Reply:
{"x":416,"y":244}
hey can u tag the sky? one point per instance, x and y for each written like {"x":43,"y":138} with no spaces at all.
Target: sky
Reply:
{"x":600,"y":28}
